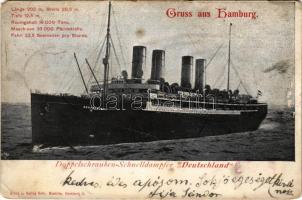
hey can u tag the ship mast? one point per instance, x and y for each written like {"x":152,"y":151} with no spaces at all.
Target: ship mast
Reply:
{"x":229,"y":58}
{"x":106,"y":59}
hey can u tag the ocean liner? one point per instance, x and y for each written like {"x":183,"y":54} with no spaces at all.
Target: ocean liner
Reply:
{"x":125,"y":109}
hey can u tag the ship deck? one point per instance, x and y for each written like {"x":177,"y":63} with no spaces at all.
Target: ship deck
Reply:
{"x":195,"y":110}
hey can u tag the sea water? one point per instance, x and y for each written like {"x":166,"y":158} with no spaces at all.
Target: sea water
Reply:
{"x":274,"y":140}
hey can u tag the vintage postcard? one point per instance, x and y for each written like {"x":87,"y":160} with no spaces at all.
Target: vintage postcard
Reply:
{"x":151,"y":99}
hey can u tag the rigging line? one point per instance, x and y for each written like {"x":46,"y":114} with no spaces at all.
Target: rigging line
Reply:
{"x":229,"y":57}
{"x":75,"y":57}
{"x":244,"y":89}
{"x":62,"y":84}
{"x":238,"y":85}
{"x":97,"y":46}
{"x":192,"y":78}
{"x":99,"y":53}
{"x":218,"y":49}
{"x":237,"y":73}
{"x":118,"y":36}
{"x":100,"y":42}
{"x":110,"y":69}
{"x":66,"y":83}
{"x":89,"y":55}
{"x":197,"y":43}
{"x":103,"y":27}
{"x":103,"y":24}
{"x":114,"y":51}
{"x":191,"y":40}
{"x":69,"y":83}
{"x":233,"y":67}
{"x":98,"y":58}
{"x":72,"y":82}
{"x":219,"y":78}
{"x":96,"y":80}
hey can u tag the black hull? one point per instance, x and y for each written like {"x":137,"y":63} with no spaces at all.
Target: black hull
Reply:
{"x":62,"y":120}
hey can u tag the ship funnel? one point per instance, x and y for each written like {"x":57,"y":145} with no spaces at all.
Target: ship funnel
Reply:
{"x":187,"y":63}
{"x":199,"y":73}
{"x":158,"y":64}
{"x":138,"y":62}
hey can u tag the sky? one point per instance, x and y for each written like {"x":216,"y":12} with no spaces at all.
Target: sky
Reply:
{"x":262,"y":49}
